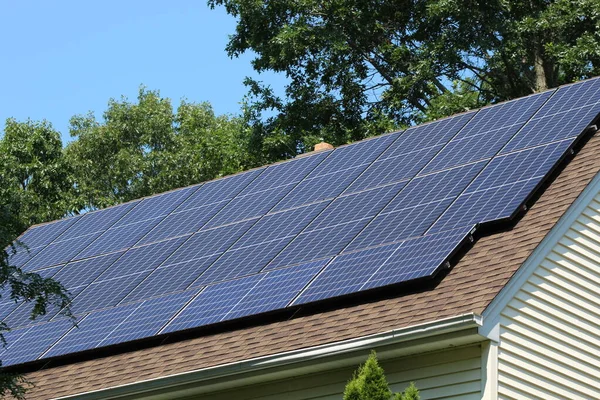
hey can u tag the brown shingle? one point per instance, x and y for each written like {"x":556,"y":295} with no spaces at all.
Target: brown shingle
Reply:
{"x":469,"y":287}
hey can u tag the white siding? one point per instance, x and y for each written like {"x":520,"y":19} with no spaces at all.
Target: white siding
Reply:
{"x":550,"y":330}
{"x":450,"y":374}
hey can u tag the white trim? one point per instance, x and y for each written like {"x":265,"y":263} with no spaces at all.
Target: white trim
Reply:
{"x":491,"y":314}
{"x":465,"y":322}
{"x":489,"y":371}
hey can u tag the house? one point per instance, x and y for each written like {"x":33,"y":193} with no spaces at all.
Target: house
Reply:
{"x":512,"y":311}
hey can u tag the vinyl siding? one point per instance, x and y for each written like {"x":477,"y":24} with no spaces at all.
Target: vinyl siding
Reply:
{"x":450,"y":374}
{"x":550,"y":330}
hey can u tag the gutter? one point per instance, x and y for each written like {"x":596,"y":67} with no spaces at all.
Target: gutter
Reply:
{"x":365,"y":343}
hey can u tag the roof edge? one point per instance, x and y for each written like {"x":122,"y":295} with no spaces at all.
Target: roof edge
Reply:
{"x":394,"y":336}
{"x":492,"y":312}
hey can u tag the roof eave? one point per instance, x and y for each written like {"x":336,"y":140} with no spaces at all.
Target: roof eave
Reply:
{"x":458,"y":330}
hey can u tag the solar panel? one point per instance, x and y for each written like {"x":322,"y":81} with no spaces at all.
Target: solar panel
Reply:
{"x":117,"y":238}
{"x":148,"y":318}
{"x":106,"y":293}
{"x":487,"y":132}
{"x":91,"y":330}
{"x":157,"y":206}
{"x":33,"y":342}
{"x":502,"y":187}
{"x":96,"y":221}
{"x":183,"y":222}
{"x":343,"y":219}
{"x":143,"y":258}
{"x":285,"y":173}
{"x":332,"y":176}
{"x":276,"y":289}
{"x":170,"y":278}
{"x":249,"y":206}
{"x":417,"y":206}
{"x":566,"y":114}
{"x":260,"y":244}
{"x":385,"y":211}
{"x":418,"y":258}
{"x":220,"y":190}
{"x":212,"y":304}
{"x":83,"y":272}
{"x":36,"y":238}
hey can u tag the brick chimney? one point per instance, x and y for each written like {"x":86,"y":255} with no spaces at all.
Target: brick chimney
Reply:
{"x":323,"y":146}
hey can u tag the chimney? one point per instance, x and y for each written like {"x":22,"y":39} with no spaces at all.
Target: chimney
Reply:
{"x":323,"y":146}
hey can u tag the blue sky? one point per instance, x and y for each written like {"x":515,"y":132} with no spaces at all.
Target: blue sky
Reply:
{"x":69,"y":57}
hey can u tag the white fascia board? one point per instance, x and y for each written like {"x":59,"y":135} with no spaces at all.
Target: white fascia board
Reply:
{"x":491,"y":315}
{"x":465,"y":322}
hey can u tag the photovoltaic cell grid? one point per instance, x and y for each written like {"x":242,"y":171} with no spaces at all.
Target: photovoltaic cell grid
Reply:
{"x":383,"y":211}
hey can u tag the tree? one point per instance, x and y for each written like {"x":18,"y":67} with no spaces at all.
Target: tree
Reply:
{"x":358,"y":67}
{"x":369,"y":383}
{"x":146,"y":147}
{"x":35,"y":187}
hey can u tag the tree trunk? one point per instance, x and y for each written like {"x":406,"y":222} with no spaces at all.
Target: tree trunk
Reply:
{"x":541,"y":81}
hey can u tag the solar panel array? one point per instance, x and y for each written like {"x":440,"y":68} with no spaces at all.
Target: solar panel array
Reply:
{"x":383,"y":211}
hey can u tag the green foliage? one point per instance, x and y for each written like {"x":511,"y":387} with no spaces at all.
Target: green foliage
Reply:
{"x":369,"y":383}
{"x":138,"y":149}
{"x":357,"y":67}
{"x":35,"y":186}
{"x":143,"y":148}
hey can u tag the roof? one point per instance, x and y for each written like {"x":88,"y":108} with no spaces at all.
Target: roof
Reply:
{"x":468,"y":288}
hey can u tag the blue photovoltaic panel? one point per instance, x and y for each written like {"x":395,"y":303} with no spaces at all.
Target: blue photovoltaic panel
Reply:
{"x":417,"y":258}
{"x":276,"y":289}
{"x":417,"y":206}
{"x":410,"y":153}
{"x":157,"y":206}
{"x":209,"y":242}
{"x":399,"y":225}
{"x":42,"y":235}
{"x":140,"y":259}
{"x":325,"y":242}
{"x":59,"y":252}
{"x":34,"y":341}
{"x":380,"y":212}
{"x":429,"y":135}
{"x":148,"y":318}
{"x":285,"y":173}
{"x":212,"y":304}
{"x":331,"y":231}
{"x":35,"y":239}
{"x":502,"y":186}
{"x":319,"y":188}
{"x":479,"y":207}
{"x":97,"y":221}
{"x":183,"y":222}
{"x":336,"y":172}
{"x":91,"y":330}
{"x":280,"y":224}
{"x":219,"y":190}
{"x":359,"y":153}
{"x":504,"y":116}
{"x":566,"y":115}
{"x":260,"y":244}
{"x":249,"y":206}
{"x":22,"y":315}
{"x":107,"y":293}
{"x":118,"y":238}
{"x":355,"y":206}
{"x":235,"y":263}
{"x":393,"y":169}
{"x":347,"y":273}
{"x":170,"y":278}
{"x":489,"y":130}
{"x":83,"y":272}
